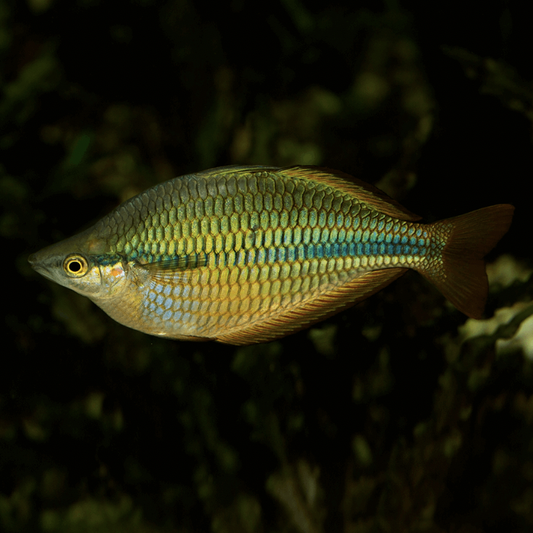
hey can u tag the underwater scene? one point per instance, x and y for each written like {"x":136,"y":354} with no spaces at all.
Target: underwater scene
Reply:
{"x":267,"y":267}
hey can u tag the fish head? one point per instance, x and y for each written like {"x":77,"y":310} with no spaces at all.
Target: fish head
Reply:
{"x":82,"y":263}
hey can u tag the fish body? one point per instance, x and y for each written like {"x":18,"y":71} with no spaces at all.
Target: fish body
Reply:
{"x":249,"y":254}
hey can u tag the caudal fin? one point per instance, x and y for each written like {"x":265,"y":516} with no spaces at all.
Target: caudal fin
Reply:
{"x":461,"y":275}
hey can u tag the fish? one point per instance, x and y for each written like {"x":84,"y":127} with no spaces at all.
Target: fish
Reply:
{"x":249,"y":254}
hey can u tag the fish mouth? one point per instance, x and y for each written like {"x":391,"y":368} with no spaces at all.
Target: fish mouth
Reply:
{"x":39,"y":265}
{"x":32,"y":260}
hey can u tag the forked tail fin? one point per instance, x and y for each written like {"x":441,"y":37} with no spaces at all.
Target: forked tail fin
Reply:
{"x":461,"y":275}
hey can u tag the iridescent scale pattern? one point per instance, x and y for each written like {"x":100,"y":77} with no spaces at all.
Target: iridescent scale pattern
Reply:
{"x":258,"y":242}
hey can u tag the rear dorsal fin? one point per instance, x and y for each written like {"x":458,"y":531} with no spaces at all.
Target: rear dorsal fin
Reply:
{"x":354,"y":187}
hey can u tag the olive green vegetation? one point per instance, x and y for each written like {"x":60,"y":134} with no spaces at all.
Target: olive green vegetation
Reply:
{"x":392,"y":416}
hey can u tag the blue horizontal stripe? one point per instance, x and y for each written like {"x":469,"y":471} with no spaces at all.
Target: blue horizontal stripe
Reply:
{"x":293,"y":253}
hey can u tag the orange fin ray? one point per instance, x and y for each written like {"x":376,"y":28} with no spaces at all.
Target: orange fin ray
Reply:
{"x":461,"y":276}
{"x":314,"y":310}
{"x":364,"y":192}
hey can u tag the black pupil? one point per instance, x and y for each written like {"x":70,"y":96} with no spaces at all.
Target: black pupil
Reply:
{"x":74,"y":266}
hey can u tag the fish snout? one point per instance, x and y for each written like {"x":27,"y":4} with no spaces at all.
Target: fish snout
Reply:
{"x":32,"y":260}
{"x":38,"y":262}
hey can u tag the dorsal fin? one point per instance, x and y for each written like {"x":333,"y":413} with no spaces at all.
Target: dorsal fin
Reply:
{"x":355,"y":187}
{"x":334,"y":178}
{"x":236,"y":169}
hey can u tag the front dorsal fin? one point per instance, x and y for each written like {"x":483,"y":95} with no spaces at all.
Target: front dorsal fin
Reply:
{"x":355,"y":187}
{"x":236,"y":169}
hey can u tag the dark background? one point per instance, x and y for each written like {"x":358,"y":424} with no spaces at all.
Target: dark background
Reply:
{"x":383,"y":418}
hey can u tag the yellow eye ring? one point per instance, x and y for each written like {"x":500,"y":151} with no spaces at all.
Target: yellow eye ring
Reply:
{"x":75,"y":266}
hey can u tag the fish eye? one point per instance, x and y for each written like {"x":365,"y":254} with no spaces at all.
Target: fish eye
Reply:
{"x":75,"y":266}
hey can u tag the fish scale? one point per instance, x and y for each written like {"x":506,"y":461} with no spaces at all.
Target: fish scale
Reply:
{"x":246,"y":254}
{"x":271,"y":242}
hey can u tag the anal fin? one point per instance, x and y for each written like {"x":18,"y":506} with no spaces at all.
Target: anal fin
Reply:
{"x":320,"y":306}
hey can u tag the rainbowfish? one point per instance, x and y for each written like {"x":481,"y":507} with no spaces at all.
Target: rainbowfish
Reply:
{"x":248,"y":254}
